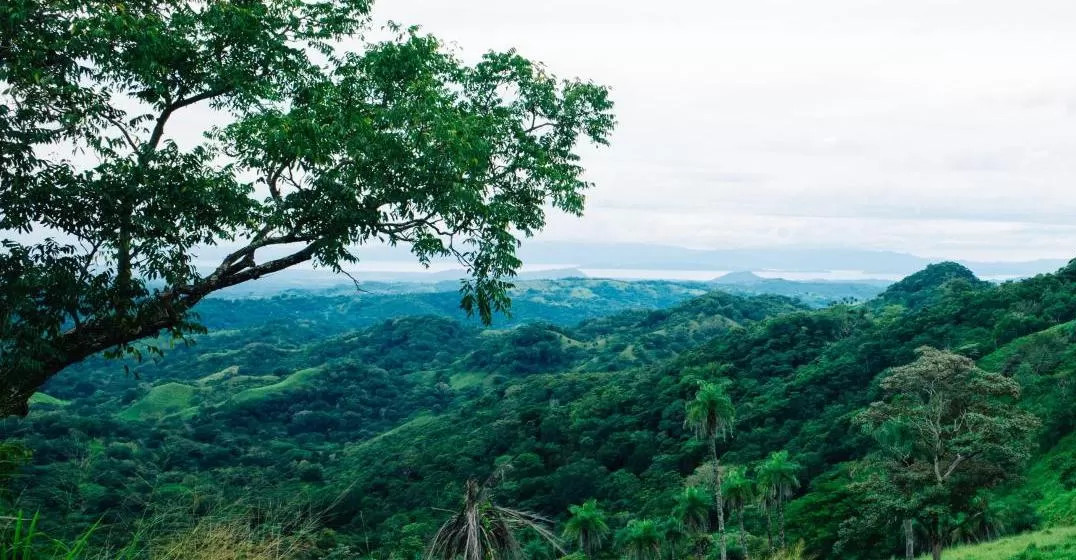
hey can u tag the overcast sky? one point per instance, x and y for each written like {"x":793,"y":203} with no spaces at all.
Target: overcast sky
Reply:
{"x":942,"y":128}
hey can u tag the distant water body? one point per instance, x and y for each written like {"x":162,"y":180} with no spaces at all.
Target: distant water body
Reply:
{"x":706,"y":275}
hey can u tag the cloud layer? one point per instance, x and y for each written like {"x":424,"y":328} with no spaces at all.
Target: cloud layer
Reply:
{"x":942,"y":128}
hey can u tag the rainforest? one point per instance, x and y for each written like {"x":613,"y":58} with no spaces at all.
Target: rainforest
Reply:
{"x":521,"y":280}
{"x":363,"y":432}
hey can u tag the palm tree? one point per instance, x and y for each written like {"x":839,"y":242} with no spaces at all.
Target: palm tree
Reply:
{"x":587,"y":526}
{"x":641,"y":540}
{"x":739,"y":491}
{"x":482,"y":530}
{"x":777,"y":479}
{"x":692,"y":511}
{"x":711,"y":414}
{"x":672,"y":534}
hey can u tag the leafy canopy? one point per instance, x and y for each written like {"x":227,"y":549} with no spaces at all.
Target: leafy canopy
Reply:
{"x":945,"y":431}
{"x":309,"y":151}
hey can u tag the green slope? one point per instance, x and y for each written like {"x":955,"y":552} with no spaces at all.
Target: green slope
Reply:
{"x":1048,"y":544}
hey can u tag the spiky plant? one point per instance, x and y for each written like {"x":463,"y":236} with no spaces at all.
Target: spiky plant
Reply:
{"x":693,"y":509}
{"x":587,"y":526}
{"x":641,"y":540}
{"x":482,"y":530}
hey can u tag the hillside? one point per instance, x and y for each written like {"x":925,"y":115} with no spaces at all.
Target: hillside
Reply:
{"x":379,"y":427}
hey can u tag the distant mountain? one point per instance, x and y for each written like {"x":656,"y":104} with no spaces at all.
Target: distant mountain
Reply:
{"x":814,"y":292}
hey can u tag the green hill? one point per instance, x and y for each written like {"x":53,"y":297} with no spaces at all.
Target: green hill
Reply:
{"x":1048,"y":544}
{"x":380,"y":426}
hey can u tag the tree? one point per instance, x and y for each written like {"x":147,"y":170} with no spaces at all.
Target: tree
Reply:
{"x":108,"y":205}
{"x":947,"y":430}
{"x":739,"y":492}
{"x":692,"y":511}
{"x":482,"y":530}
{"x":712,"y":415}
{"x":587,"y":527}
{"x":776,"y":480}
{"x":641,"y":540}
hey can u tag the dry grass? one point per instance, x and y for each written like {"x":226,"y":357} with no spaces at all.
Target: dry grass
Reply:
{"x":234,"y":533}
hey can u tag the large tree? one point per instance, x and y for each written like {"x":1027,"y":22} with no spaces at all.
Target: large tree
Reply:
{"x":947,"y":430}
{"x":135,"y":134}
{"x":711,"y":414}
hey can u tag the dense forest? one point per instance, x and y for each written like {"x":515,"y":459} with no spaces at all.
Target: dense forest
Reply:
{"x":161,"y":160}
{"x":601,"y":428}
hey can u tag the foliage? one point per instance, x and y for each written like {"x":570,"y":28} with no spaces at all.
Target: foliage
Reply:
{"x":587,"y":526}
{"x":381,"y":426}
{"x":947,"y":430}
{"x":641,"y":539}
{"x":482,"y":530}
{"x":323,"y":150}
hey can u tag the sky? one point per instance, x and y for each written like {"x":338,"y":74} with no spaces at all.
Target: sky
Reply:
{"x":941,"y":128}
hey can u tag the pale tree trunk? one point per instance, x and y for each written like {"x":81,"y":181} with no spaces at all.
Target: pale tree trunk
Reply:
{"x":720,"y":499}
{"x":909,"y":540}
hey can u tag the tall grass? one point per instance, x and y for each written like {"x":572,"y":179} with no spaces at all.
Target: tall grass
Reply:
{"x":20,"y":539}
{"x":178,"y":534}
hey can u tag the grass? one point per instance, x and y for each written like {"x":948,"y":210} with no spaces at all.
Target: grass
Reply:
{"x":20,"y":539}
{"x":994,"y":360}
{"x":1056,"y":505}
{"x":469,"y":379}
{"x":416,"y":422}
{"x":1048,"y":544}
{"x":162,"y":400}
{"x":293,"y":381}
{"x":43,"y":399}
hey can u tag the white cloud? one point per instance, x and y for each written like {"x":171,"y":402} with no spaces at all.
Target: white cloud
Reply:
{"x":941,"y":127}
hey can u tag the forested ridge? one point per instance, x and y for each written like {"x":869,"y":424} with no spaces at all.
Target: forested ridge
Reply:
{"x":379,"y":428}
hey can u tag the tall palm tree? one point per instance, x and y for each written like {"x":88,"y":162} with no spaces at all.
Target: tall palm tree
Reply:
{"x":692,"y":511}
{"x":777,"y":479}
{"x":739,"y":491}
{"x":587,"y":526}
{"x":641,"y":540}
{"x":482,"y":530}
{"x":672,"y":534}
{"x":711,"y":414}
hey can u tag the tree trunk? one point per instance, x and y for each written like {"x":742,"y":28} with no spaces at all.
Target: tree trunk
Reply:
{"x":781,"y":513}
{"x":909,"y":540}
{"x":720,"y":499}
{"x":769,"y":526}
{"x":147,"y":318}
{"x":743,"y":535}
{"x":936,"y":549}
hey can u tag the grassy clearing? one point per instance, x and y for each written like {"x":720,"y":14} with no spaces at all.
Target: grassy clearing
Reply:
{"x":48,"y":400}
{"x":293,"y":381}
{"x":1048,"y":544}
{"x":162,"y":400}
